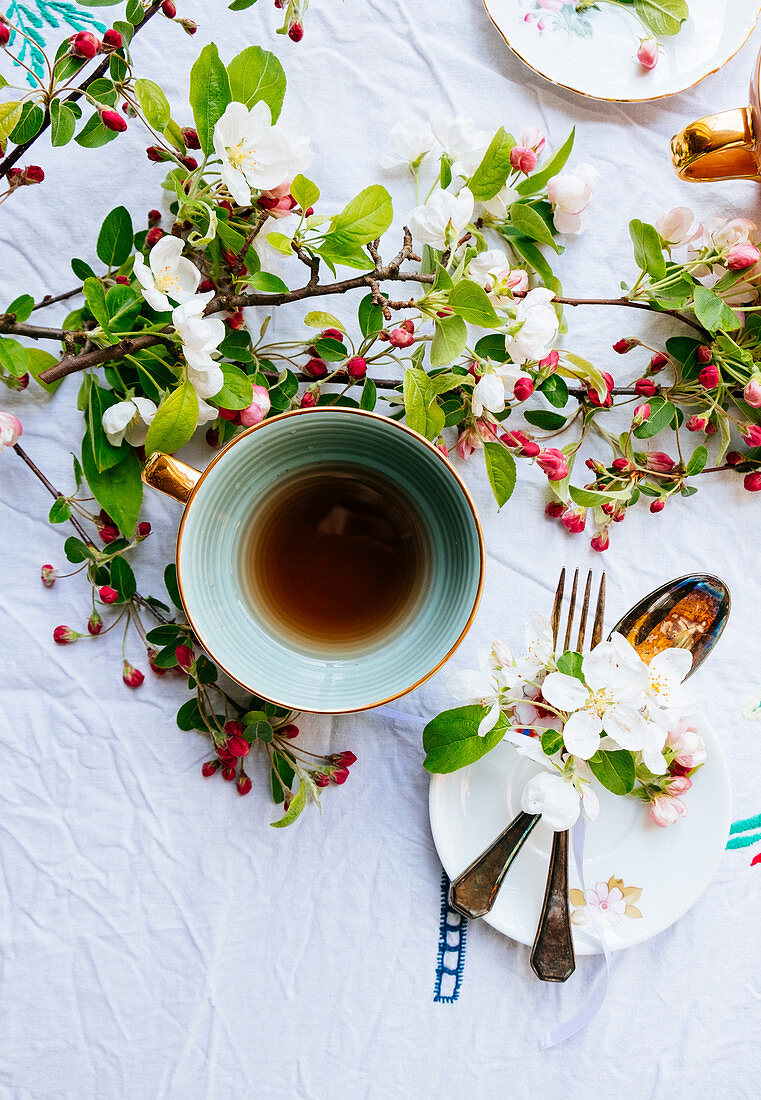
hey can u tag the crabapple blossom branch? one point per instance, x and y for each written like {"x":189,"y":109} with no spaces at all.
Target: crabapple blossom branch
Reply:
{"x":70,"y":364}
{"x":8,"y":162}
{"x":51,"y":299}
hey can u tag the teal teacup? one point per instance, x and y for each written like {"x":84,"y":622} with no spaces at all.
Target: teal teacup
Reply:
{"x":229,"y":500}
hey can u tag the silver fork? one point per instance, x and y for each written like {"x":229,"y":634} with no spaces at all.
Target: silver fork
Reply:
{"x":552,"y":956}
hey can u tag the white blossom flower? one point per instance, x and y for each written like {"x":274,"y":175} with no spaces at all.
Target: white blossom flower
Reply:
{"x":128,"y":420}
{"x":168,"y":274}
{"x":441,"y":220}
{"x":463,"y":144}
{"x":489,"y":390}
{"x":609,"y":701}
{"x":200,"y":336}
{"x":570,"y":194}
{"x":255,"y":153}
{"x":559,"y":800}
{"x":491,"y":270}
{"x":539,"y":326}
{"x":409,"y":144}
{"x":675,"y":226}
{"x":665,"y":674}
{"x":498,"y":206}
{"x":10,"y":429}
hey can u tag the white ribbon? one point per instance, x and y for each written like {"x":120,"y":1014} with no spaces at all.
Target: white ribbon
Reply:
{"x":595,"y":1002}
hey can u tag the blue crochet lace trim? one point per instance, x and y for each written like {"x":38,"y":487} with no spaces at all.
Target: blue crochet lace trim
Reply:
{"x":453,"y":932}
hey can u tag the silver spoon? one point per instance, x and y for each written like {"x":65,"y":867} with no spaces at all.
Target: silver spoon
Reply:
{"x":689,"y":612}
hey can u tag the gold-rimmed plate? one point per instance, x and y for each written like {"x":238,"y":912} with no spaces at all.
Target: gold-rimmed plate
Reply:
{"x":593,"y":52}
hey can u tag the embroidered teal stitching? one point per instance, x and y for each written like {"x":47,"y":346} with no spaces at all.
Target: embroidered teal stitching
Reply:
{"x":745,"y":824}
{"x":32,"y":23}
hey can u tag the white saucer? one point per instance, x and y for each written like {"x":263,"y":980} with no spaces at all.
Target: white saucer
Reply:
{"x":671,"y":867}
{"x":594,"y":53}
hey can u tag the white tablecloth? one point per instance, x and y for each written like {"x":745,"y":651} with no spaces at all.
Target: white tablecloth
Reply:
{"x":157,"y":938}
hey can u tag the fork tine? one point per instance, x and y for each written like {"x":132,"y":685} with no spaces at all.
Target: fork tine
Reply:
{"x":584,"y":613}
{"x":599,"y":614}
{"x":555,"y":620}
{"x":571,"y":610}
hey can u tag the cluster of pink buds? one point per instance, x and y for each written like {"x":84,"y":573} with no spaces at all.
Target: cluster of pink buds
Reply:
{"x":401,"y":337}
{"x":601,"y":401}
{"x":338,"y":772}
{"x":25,"y":177}
{"x":229,"y":759}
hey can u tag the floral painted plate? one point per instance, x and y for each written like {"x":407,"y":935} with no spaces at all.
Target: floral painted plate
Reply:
{"x":639,"y":877}
{"x":593,"y":51}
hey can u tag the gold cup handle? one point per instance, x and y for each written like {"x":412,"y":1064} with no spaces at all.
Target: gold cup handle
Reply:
{"x":170,"y":476}
{"x":718,"y":147}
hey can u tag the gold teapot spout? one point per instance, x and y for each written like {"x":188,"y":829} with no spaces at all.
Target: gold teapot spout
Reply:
{"x":718,"y":147}
{"x":170,"y":476}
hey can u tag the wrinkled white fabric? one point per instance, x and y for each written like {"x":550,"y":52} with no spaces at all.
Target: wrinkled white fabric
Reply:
{"x":157,"y":939}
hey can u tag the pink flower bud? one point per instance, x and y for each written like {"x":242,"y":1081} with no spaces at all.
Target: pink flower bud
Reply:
{"x":680,"y":785}
{"x":709,"y":376}
{"x":734,"y":458}
{"x":647,"y":54}
{"x":554,"y":509}
{"x":308,"y":399}
{"x":334,"y":334}
{"x":751,"y":482}
{"x":400,"y":338}
{"x":85,"y":45}
{"x":108,"y":594}
{"x":188,"y":26}
{"x":345,"y":759}
{"x":550,"y":361}
{"x":94,"y":624}
{"x":751,"y":433}
{"x":523,"y":388}
{"x":290,"y":731}
{"x":641,"y":414}
{"x":229,"y":773}
{"x":244,"y":784}
{"x":356,"y":368}
{"x":132,"y":676}
{"x":33,"y":174}
{"x":185,"y":656}
{"x":5,"y":35}
{"x":658,"y":362}
{"x":112,"y":40}
{"x":657,"y":506}
{"x":63,"y":635}
{"x":143,"y":530}
{"x":47,"y":573}
{"x":10,"y":429}
{"x":295,"y":32}
{"x":553,"y":463}
{"x":122,"y":280}
{"x":190,"y":137}
{"x":620,"y":465}
{"x":624,"y":345}
{"x":234,"y":321}
{"x":108,"y":533}
{"x":704,"y":354}
{"x":523,"y":159}
{"x":441,"y":446}
{"x":316,"y":368}
{"x":168,"y":9}
{"x":521,"y":442}
{"x":665,"y":810}
{"x":742,"y":255}
{"x":645,"y":387}
{"x":152,"y":654}
{"x":596,"y":399}
{"x":532,"y":138}
{"x":340,"y":775}
{"x":153,"y":236}
{"x":258,"y":408}
{"x":660,"y":462}
{"x":601,"y":541}
{"x":209,"y":768}
{"x":696,"y":424}
{"x":752,"y":393}
{"x":574,"y":520}
{"x":608,"y":508}
{"x":320,"y":779}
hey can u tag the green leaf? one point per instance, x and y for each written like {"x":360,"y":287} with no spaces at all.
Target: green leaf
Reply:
{"x":500,"y":467}
{"x":282,"y":768}
{"x":470,"y":301}
{"x":662,"y":16}
{"x":713,"y":313}
{"x":537,"y":181}
{"x":530,"y":224}
{"x":451,"y":739}
{"x":62,"y":123}
{"x":369,"y":397}
{"x":123,"y":306}
{"x":304,"y":191}
{"x":95,"y":296}
{"x":255,"y":74}
{"x":552,"y":742}
{"x":14,"y":357}
{"x":367,"y":216}
{"x":10,"y":113}
{"x":662,"y":414}
{"x":77,"y":551}
{"x":614,"y":769}
{"x":591,"y":498}
{"x":172,"y":587}
{"x":60,"y":511}
{"x":103,"y":452}
{"x":40,"y":361}
{"x":242,"y":5}
{"x":697,"y":461}
{"x":175,"y":420}
{"x":209,"y":94}
{"x":297,"y":805}
{"x":154,"y":103}
{"x":267,"y":283}
{"x":648,"y":251}
{"x":28,"y":126}
{"x":542,"y":418}
{"x":321,"y":319}
{"x":369,"y":316}
{"x":423,"y":415}
{"x":166,"y":658}
{"x":94,"y":134}
{"x":123,"y":579}
{"x":490,"y":176}
{"x":118,"y":490}
{"x":569,"y":663}
{"x":449,"y":339}
{"x":21,"y":307}
{"x":237,"y":391}
{"x":189,"y":716}
{"x":166,"y":634}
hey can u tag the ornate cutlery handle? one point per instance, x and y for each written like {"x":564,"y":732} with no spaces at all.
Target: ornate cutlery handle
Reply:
{"x":474,"y":892}
{"x":552,"y":956}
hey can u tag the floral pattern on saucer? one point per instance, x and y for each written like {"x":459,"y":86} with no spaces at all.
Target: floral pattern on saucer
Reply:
{"x":609,"y":901}
{"x":557,"y":15}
